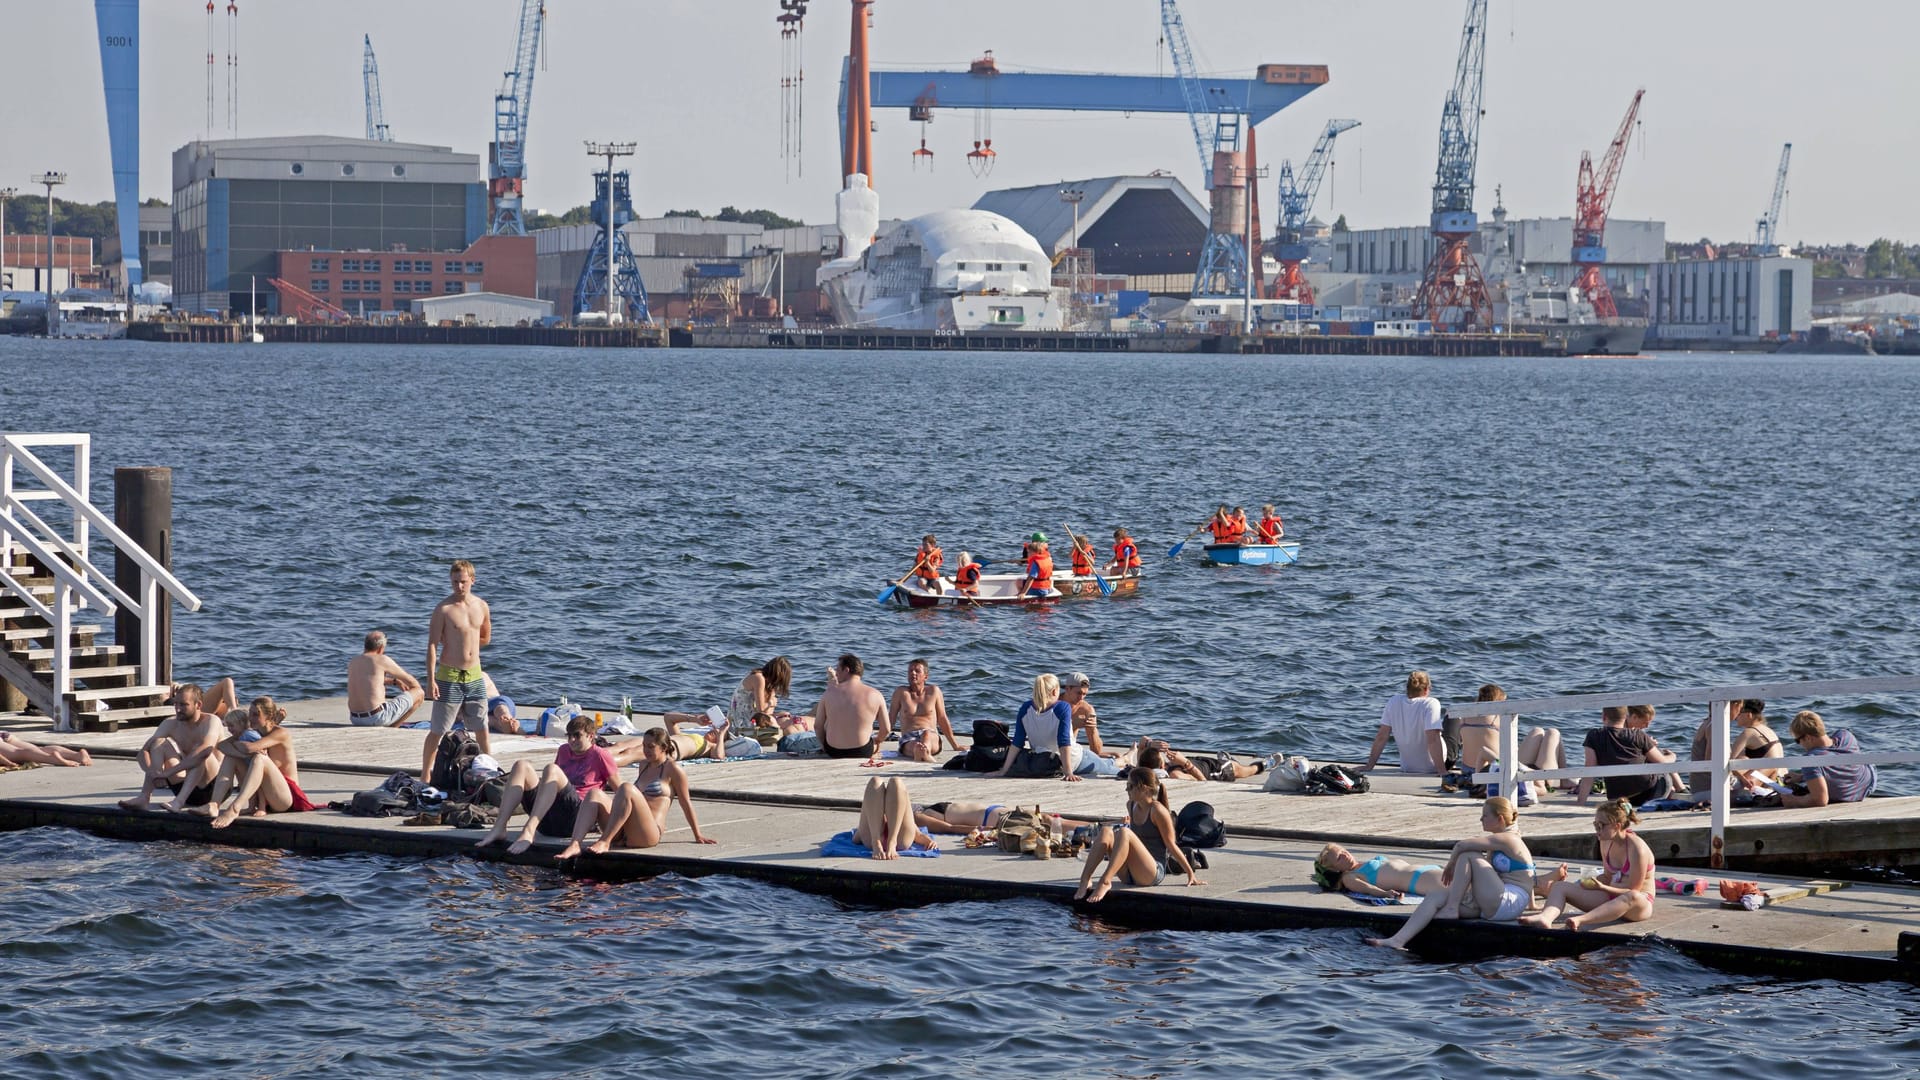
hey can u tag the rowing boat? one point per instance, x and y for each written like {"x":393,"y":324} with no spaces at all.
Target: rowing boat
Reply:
{"x":1003,"y":590}
{"x":1286,"y":551}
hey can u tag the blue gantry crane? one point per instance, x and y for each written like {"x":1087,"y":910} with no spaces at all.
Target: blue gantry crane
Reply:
{"x":1453,"y":293}
{"x":1297,"y":192}
{"x":506,"y":155}
{"x":590,"y":292}
{"x":370,"y":77}
{"x":1764,"y":228}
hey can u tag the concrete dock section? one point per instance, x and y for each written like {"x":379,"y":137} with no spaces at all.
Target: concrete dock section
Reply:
{"x":771,"y":814}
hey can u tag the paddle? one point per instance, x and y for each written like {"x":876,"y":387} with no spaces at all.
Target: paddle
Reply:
{"x":887,"y":593}
{"x":1106,"y":587}
{"x":1174,"y":552}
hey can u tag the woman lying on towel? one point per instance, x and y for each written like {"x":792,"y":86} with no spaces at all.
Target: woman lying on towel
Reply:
{"x":887,"y":820}
{"x":1489,"y":876}
{"x":1388,"y":876}
{"x":14,"y":751}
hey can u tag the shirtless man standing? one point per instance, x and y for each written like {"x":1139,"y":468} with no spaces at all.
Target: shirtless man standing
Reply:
{"x":368,"y":676}
{"x":922,"y":712}
{"x":182,"y":754}
{"x":461,"y":624}
{"x":847,"y":713}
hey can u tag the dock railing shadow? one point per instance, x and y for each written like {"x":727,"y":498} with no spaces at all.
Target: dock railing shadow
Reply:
{"x":1719,"y":700}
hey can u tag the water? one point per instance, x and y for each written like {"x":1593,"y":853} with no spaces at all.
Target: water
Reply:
{"x":655,"y":524}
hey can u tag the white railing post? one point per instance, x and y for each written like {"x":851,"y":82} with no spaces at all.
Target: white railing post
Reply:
{"x":6,"y":501}
{"x":1510,"y":757}
{"x":82,"y":482}
{"x":62,"y":655}
{"x":149,"y":635}
{"x":1717,"y":714}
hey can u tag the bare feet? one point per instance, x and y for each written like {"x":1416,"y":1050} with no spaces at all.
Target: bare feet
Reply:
{"x":601,"y":846}
{"x":567,"y":852}
{"x":1574,"y":923}
{"x":204,"y":810}
{"x":1080,"y":893}
{"x":1099,"y":892}
{"x":1538,"y":922}
{"x":133,"y":804}
{"x":519,"y":847}
{"x":489,"y":840}
{"x":226,"y":818}
{"x":1386,"y":943}
{"x":256,"y":812}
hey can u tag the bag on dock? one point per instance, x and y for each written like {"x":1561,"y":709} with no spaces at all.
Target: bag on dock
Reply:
{"x":382,"y":803}
{"x":1289,"y":774}
{"x":1196,"y":827}
{"x":1336,"y":780}
{"x":451,"y":760}
{"x":1023,"y":830}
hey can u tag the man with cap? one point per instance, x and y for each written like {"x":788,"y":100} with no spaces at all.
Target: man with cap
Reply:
{"x":1039,"y":577}
{"x":1092,"y":759}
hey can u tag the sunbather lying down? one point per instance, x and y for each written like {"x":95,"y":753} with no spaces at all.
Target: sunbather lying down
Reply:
{"x":887,"y":820}
{"x":17,"y":751}
{"x":961,"y":818}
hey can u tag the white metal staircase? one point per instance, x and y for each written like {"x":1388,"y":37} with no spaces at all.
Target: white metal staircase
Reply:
{"x":47,"y":578}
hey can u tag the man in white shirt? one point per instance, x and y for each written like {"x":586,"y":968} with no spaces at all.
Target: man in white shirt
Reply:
{"x":1413,"y":719}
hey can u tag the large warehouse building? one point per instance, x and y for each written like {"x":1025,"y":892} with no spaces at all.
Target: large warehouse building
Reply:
{"x":1148,"y":229}
{"x":240,"y":204}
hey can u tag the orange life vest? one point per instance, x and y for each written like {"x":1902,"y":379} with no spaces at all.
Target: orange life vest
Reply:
{"x":967,"y":575}
{"x":1223,"y":530}
{"x":1270,"y":530}
{"x":1040,"y":570}
{"x":1126,"y":555}
{"x":1082,"y":560}
{"x":931,"y":560}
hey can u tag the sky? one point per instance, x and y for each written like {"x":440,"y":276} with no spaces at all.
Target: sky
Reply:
{"x":697,"y":84}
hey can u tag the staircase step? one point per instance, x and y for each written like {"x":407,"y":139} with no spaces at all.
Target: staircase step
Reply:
{"x":34,"y":633}
{"x":115,"y":693}
{"x":108,"y":678}
{"x":112,"y":719}
{"x":30,"y":655}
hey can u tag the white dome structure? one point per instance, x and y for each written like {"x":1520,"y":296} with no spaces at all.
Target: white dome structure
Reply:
{"x":948,"y":270}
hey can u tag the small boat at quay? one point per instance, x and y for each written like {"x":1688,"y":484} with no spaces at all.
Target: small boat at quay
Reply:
{"x":1253,"y":554}
{"x":1003,"y":590}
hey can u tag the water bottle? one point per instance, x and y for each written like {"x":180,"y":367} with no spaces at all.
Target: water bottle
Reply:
{"x":1054,"y":825}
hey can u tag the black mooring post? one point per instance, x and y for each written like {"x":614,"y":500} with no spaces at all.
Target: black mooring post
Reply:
{"x":143,"y":509}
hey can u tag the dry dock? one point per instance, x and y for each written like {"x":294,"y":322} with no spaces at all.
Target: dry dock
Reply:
{"x":770,"y":815}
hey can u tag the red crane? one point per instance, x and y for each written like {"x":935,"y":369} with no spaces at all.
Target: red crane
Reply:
{"x":1592,"y":199}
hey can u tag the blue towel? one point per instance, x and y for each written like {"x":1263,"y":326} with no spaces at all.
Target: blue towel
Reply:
{"x":1382,"y":901}
{"x":842,"y":845}
{"x":1657,"y":805}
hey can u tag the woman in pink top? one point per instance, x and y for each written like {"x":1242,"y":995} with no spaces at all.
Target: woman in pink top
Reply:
{"x":580,"y":772}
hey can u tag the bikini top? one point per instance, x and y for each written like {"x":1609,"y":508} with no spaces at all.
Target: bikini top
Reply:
{"x":1619,"y":873}
{"x":1370,"y":870}
{"x":1505,"y":864}
{"x":656,"y":787}
{"x":1761,"y":750}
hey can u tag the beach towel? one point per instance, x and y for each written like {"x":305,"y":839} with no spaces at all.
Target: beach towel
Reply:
{"x":1381,"y":901}
{"x":842,"y":846}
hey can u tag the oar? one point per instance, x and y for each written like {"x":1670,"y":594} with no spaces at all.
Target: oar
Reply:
{"x":1106,"y":587}
{"x":887,"y":593}
{"x":1174,"y":552}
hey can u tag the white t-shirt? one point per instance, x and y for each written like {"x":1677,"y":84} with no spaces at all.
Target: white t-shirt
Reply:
{"x":1410,"y":720}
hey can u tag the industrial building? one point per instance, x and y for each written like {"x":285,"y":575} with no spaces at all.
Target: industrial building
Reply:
{"x":156,"y":252}
{"x":484,"y":309}
{"x":24,"y":265}
{"x":1149,"y":229}
{"x":694,"y":268}
{"x":1709,"y":300}
{"x":239,"y":204}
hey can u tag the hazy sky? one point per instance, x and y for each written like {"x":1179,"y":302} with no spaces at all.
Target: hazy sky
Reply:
{"x":696,"y":82}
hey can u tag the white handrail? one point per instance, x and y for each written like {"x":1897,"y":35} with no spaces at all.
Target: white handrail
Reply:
{"x":60,"y":571}
{"x":1719,"y":700}
{"x":78,"y":558}
{"x":126,"y":544}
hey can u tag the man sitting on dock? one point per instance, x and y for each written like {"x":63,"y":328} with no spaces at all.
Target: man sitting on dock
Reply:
{"x":368,"y":677}
{"x":181,"y":755}
{"x":848,"y":711}
{"x":1413,"y":720}
{"x":922,"y":711}
{"x":1614,"y":743}
{"x":1827,"y":783}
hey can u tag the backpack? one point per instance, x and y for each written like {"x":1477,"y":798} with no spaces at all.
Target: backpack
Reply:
{"x":382,"y":803}
{"x":1196,"y":827}
{"x":451,"y":760}
{"x":991,"y":734}
{"x":1336,"y":780}
{"x":983,"y":759}
{"x":1023,"y":830}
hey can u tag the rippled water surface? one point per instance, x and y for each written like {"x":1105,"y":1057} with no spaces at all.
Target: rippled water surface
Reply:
{"x":656,"y":523}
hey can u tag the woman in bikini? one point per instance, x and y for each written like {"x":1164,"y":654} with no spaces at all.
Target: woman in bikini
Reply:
{"x":637,"y":814}
{"x":1142,"y":849}
{"x":265,"y":766}
{"x":1756,"y":741}
{"x":887,"y":820}
{"x":15,"y":752}
{"x":1338,"y":869}
{"x":1624,"y":890}
{"x":1490,"y":875}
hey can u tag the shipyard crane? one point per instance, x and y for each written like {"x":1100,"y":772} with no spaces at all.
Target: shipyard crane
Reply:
{"x":1217,"y":123}
{"x":1297,"y":193}
{"x":1593,"y":197}
{"x":1453,"y":293}
{"x":506,"y":155}
{"x":376,"y":114}
{"x":1765,"y":226}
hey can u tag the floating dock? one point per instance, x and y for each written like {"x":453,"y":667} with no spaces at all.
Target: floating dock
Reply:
{"x":771,"y":813}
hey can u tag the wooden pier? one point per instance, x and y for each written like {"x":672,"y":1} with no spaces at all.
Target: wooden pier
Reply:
{"x":771,"y":813}
{"x":225,"y":333}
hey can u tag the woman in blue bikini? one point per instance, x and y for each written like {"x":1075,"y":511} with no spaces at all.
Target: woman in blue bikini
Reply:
{"x":1489,"y":876}
{"x":1383,"y":875}
{"x":637,"y":815}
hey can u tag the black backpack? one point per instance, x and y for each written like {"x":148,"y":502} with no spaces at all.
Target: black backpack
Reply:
{"x":1196,"y":827}
{"x":991,"y":734}
{"x":1336,"y":780}
{"x":457,"y":750}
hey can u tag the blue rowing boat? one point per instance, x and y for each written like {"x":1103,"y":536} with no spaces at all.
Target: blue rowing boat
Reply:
{"x":1253,"y":554}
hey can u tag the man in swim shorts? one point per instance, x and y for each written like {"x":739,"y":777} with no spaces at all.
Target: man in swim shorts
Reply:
{"x":368,"y":677}
{"x":922,"y":712}
{"x":461,"y":624}
{"x":848,"y":712}
{"x":181,"y":755}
